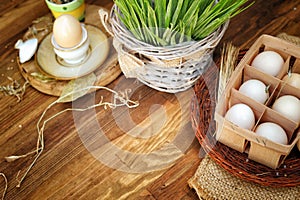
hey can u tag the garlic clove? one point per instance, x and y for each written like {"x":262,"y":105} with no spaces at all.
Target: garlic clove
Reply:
{"x":26,"y":49}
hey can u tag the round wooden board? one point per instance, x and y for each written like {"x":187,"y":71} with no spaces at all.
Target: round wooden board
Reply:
{"x":44,"y":83}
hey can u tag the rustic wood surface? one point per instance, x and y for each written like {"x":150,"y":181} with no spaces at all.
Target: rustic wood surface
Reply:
{"x":81,"y":160}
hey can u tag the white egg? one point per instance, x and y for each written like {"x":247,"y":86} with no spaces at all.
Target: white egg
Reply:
{"x":270,"y":62}
{"x":255,"y":89}
{"x":67,"y":31}
{"x":241,"y":115}
{"x":272,"y":132}
{"x":289,"y":106}
{"x":293,"y":80}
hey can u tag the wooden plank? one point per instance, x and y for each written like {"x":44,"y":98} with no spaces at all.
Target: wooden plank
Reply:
{"x":66,"y":169}
{"x":271,"y":18}
{"x":173,"y":182}
{"x":14,"y":22}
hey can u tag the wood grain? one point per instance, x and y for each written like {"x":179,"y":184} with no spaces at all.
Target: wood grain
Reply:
{"x":67,"y":168}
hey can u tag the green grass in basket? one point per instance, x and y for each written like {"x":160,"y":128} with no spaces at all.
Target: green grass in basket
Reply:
{"x":169,"y":22}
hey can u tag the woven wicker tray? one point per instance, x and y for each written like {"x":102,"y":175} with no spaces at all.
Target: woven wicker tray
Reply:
{"x":202,"y":110}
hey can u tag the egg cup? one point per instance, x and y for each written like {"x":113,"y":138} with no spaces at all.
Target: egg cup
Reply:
{"x":75,"y":8}
{"x":52,"y":66}
{"x":74,"y":55}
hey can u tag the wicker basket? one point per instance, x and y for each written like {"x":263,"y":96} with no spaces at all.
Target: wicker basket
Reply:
{"x":235,"y":162}
{"x":169,"y":69}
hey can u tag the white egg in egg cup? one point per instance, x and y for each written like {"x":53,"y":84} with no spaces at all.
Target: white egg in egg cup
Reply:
{"x":76,"y":54}
{"x":49,"y":63}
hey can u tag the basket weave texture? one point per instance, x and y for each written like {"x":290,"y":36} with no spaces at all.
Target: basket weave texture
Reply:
{"x":202,"y":110}
{"x":169,"y":69}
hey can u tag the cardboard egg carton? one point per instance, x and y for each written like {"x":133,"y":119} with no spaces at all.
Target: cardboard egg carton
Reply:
{"x":258,"y":148}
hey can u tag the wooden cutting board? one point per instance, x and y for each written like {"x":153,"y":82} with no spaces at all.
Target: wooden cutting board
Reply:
{"x":48,"y":84}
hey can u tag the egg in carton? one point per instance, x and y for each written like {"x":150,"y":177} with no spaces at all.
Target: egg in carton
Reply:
{"x":264,"y":128}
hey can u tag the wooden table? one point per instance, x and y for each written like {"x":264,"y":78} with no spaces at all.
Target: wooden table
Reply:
{"x":148,"y":152}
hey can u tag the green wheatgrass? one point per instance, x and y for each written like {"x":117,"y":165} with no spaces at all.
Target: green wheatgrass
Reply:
{"x":170,"y":22}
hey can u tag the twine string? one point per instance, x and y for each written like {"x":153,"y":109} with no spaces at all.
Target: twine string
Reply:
{"x":119,"y":99}
{"x":6,"y":185}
